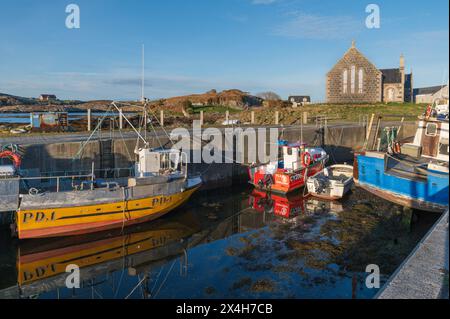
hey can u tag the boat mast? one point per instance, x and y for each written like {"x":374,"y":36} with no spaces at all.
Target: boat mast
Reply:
{"x":143,"y":91}
{"x":143,"y":75}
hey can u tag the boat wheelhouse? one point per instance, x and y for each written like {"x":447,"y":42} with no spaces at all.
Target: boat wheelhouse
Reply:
{"x":414,"y":174}
{"x":290,"y":174}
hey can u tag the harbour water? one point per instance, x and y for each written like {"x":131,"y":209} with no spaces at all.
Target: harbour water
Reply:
{"x":232,"y":243}
{"x":24,"y":118}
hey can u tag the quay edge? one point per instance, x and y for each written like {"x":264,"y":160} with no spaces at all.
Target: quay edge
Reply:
{"x":424,"y":274}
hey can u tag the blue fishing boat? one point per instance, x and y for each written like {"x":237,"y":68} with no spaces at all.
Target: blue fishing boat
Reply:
{"x":414,"y":174}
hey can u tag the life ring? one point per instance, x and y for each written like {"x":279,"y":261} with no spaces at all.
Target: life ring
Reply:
{"x":306,"y":159}
{"x":17,"y":160}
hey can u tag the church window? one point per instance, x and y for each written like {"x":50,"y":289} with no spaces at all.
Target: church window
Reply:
{"x":345,"y":79}
{"x":353,"y":76}
{"x":391,"y":94}
{"x":360,"y":81}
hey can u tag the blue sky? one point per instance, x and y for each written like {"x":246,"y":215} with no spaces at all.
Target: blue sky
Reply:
{"x":286,"y":46}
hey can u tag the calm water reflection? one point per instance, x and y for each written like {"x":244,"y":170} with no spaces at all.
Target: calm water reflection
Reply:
{"x":235,"y":244}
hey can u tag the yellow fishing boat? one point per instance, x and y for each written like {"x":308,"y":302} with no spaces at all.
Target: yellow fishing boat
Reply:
{"x":109,"y":205}
{"x":159,"y":185}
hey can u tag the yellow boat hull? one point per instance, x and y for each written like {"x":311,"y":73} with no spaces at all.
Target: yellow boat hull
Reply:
{"x":68,"y":221}
{"x":41,"y":265}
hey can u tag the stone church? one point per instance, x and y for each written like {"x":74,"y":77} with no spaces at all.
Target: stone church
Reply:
{"x":354,"y":79}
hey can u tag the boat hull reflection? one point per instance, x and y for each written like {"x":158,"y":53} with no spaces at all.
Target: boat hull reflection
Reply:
{"x":290,"y":207}
{"x":35,"y":264}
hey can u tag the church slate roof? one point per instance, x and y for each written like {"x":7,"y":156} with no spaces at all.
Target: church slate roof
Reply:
{"x":391,"y":75}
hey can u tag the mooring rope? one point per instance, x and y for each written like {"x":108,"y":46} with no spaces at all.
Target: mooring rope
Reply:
{"x":137,"y":286}
{"x":165,"y":279}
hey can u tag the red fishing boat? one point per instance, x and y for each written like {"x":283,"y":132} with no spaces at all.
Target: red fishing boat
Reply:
{"x":290,"y":174}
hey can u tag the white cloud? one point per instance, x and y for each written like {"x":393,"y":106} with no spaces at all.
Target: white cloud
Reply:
{"x":310,"y":26}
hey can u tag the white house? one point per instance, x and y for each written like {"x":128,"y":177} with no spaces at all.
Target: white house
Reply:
{"x":299,"y":100}
{"x":431,"y":94}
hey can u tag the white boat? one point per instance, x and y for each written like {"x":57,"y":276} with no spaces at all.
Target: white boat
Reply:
{"x":332,"y":183}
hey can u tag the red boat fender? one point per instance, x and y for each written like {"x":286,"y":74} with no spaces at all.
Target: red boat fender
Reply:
{"x":428,"y":111}
{"x":306,"y":159}
{"x":397,"y":148}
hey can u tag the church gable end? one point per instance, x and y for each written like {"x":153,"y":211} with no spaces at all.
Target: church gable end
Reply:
{"x":354,"y":79}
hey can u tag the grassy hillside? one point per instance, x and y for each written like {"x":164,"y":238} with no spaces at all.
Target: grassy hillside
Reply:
{"x":335,"y":113}
{"x":7,"y":100}
{"x":340,"y":113}
{"x":354,"y":111}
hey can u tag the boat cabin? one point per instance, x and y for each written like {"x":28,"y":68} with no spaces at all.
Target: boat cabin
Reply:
{"x":156,"y":163}
{"x":431,"y":140}
{"x":292,"y":156}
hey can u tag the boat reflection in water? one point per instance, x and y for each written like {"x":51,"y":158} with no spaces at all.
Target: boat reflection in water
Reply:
{"x":290,"y":208}
{"x":38,"y":261}
{"x":42,"y":264}
{"x":140,"y":250}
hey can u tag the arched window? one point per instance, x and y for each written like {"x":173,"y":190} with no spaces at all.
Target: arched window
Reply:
{"x":345,"y":81}
{"x":353,"y":76}
{"x":391,"y":94}
{"x":360,"y":81}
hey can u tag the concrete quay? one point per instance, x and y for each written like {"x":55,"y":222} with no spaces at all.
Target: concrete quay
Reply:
{"x":424,"y":274}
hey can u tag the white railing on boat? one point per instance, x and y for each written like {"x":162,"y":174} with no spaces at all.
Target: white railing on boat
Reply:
{"x":58,"y":179}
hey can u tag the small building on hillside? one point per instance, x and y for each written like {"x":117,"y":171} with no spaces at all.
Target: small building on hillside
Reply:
{"x":299,"y":100}
{"x":431,"y":94}
{"x":354,"y":79}
{"x":47,"y":97}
